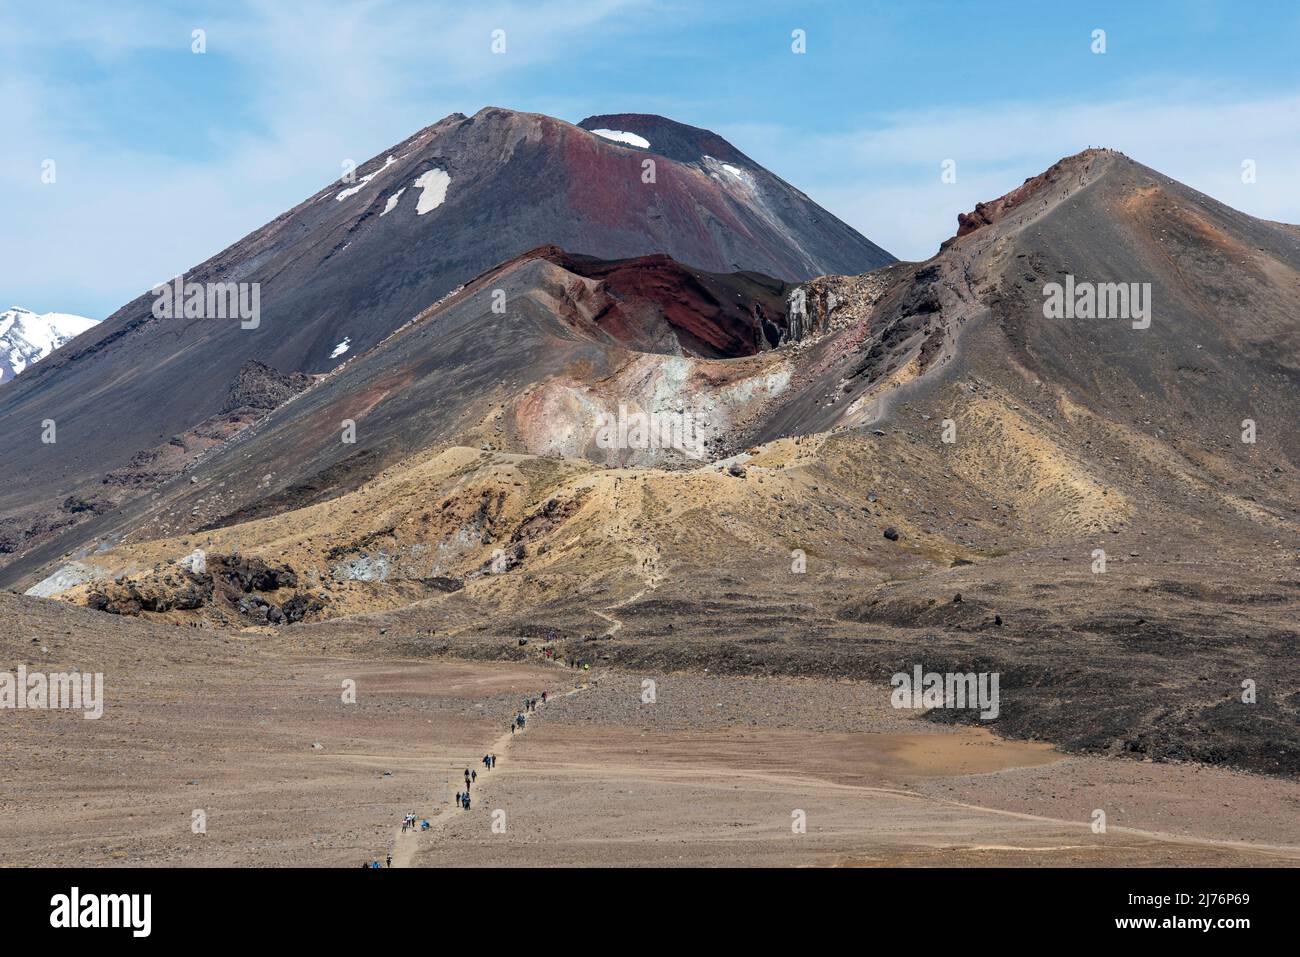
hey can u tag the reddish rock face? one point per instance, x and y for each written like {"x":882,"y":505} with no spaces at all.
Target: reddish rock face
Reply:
{"x":711,"y":315}
{"x":985,"y":214}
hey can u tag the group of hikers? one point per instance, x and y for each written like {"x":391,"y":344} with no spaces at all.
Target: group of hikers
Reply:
{"x":409,"y":821}
{"x":489,"y":761}
{"x":551,"y":653}
{"x":471,"y":777}
{"x":530,"y":705}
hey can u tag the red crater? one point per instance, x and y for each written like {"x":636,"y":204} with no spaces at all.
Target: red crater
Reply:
{"x":712,"y":315}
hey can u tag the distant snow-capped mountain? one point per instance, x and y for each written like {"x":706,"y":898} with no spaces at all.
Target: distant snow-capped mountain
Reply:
{"x":26,"y":337}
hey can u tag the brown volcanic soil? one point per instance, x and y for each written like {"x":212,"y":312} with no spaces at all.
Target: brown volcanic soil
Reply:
{"x":710,"y":773}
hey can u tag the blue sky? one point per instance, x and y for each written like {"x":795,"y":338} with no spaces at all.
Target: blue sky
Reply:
{"x":163,"y":156}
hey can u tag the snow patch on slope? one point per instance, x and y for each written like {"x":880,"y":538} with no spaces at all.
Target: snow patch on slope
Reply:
{"x":342,"y":347}
{"x":353,"y":190}
{"x":717,"y":167}
{"x":433,"y":190}
{"x":618,"y":136}
{"x":392,"y":201}
{"x":26,"y":337}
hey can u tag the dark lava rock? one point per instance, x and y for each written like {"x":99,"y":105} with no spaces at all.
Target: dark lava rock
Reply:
{"x":131,"y":597}
{"x":251,"y":574}
{"x":300,"y":606}
{"x":443,"y":583}
{"x":258,"y":386}
{"x":75,"y":504}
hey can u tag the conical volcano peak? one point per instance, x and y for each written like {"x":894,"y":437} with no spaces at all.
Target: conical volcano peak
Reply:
{"x":343,"y":270}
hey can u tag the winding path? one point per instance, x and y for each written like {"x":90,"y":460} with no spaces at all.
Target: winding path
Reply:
{"x":407,"y":843}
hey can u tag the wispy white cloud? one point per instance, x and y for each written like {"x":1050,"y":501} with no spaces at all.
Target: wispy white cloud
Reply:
{"x":317,"y":83}
{"x":886,"y":181}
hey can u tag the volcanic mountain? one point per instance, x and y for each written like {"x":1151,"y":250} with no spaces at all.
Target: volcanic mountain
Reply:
{"x":930,"y":461}
{"x":142,"y":395}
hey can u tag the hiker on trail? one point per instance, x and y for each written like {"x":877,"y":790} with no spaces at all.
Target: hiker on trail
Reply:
{"x":390,"y":860}
{"x":494,"y":760}
{"x":458,"y":797}
{"x":543,"y":697}
{"x":512,"y":727}
{"x":473,"y":775}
